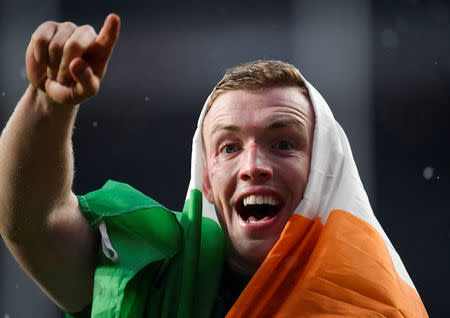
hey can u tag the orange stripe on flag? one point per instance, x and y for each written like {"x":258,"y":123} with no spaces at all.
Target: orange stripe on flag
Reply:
{"x":340,"y":268}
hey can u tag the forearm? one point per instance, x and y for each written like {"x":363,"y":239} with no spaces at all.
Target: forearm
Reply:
{"x":40,"y":219}
{"x":36,"y":164}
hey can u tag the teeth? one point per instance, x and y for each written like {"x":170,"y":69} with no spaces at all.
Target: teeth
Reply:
{"x":260,"y":199}
{"x":253,"y":220}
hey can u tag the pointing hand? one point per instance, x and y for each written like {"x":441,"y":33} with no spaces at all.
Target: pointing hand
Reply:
{"x":68,"y":62}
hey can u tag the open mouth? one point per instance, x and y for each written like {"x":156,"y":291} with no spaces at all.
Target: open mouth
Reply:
{"x":258,"y":208}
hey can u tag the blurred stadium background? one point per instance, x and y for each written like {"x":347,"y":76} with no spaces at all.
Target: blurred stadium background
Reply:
{"x":382,"y":66}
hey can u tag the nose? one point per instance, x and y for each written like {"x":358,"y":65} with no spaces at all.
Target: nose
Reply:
{"x":255,"y":165}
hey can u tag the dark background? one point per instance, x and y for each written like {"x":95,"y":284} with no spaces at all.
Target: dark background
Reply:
{"x":383,"y":67}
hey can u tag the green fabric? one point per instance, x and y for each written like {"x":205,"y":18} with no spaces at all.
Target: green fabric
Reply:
{"x":169,"y":263}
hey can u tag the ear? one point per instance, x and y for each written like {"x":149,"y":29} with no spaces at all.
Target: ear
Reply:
{"x":207,"y":185}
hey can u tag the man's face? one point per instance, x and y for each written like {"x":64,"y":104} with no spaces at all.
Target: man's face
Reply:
{"x":258,"y":155}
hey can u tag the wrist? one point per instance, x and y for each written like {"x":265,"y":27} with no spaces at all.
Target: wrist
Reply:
{"x":43,"y":101}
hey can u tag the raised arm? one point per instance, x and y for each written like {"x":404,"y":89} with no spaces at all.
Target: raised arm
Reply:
{"x":40,"y":219}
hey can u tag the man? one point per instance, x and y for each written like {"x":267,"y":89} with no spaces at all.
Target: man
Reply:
{"x":270,"y":164}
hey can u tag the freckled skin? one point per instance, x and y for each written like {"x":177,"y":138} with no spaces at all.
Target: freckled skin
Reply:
{"x":256,"y":142}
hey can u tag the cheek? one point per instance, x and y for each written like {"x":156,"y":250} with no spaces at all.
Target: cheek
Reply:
{"x":220,"y":168}
{"x":221,"y":176}
{"x":213,"y":166}
{"x":297,"y":173}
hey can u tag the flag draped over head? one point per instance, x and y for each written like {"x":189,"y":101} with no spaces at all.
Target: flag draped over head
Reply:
{"x":333,"y":257}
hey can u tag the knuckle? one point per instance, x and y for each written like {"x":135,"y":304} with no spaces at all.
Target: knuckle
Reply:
{"x":35,"y":39}
{"x":42,"y":30}
{"x":72,"y":45}
{"x":40,"y":41}
{"x":35,"y":36}
{"x":87,"y":28}
{"x":55,"y":48}
{"x":87,"y":34}
{"x":50,"y":23}
{"x":47,"y":24}
{"x":69,"y":25}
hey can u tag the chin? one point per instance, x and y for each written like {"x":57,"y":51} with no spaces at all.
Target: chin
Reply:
{"x":246,"y":258}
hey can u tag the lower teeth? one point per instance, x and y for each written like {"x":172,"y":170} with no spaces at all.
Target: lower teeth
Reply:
{"x":253,"y":220}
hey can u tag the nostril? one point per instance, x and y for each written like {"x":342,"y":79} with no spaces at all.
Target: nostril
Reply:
{"x":255,"y":176}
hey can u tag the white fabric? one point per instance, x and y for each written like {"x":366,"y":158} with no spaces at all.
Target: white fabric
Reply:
{"x":333,"y":182}
{"x":107,"y":247}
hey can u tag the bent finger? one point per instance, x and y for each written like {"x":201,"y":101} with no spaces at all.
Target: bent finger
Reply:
{"x":74,"y":47}
{"x":87,"y":83}
{"x":56,"y":46}
{"x":40,"y":40}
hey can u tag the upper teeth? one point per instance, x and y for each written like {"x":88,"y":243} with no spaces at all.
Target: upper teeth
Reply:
{"x":260,"y":199}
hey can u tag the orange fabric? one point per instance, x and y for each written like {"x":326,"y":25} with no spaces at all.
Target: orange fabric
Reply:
{"x":342,"y":268}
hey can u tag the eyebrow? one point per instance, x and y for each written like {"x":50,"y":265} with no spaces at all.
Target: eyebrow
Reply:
{"x":279,"y":124}
{"x":224,"y":127}
{"x":286,"y":123}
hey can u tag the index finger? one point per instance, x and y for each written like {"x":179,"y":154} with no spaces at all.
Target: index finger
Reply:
{"x":110,"y":32}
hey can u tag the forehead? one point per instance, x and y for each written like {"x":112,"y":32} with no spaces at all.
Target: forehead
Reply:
{"x":244,"y":108}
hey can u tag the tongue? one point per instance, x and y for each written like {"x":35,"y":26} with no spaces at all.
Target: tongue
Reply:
{"x":253,"y":219}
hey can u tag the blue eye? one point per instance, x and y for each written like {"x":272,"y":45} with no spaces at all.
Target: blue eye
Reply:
{"x":284,"y":145}
{"x":229,"y":149}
